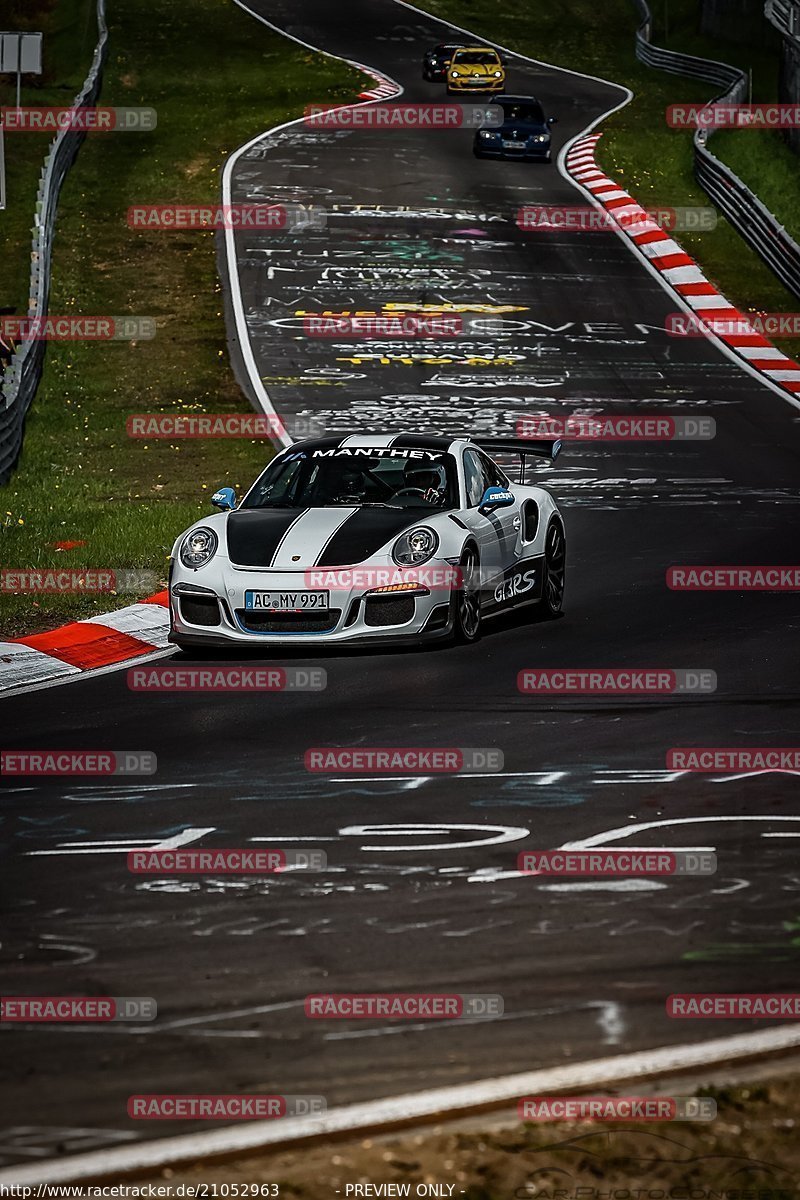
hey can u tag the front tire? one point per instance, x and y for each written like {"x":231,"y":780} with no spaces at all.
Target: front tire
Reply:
{"x":467,"y":615}
{"x":555,"y":568}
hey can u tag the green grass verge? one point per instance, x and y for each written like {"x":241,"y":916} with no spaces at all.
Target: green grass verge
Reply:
{"x":70,"y":35}
{"x":653,"y":161}
{"x":762,"y":159}
{"x":217,"y":78}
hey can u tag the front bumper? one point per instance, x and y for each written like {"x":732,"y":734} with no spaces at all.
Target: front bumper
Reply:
{"x":475,"y":85}
{"x":534,"y":153}
{"x":208,"y":608}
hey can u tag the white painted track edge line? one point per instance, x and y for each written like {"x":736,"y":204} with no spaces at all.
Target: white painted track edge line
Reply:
{"x":237,"y":304}
{"x":441,"y":1104}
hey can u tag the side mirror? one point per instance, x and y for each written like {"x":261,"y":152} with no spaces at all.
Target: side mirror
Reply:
{"x":495,"y":497}
{"x":552,"y":120}
{"x":224,"y":499}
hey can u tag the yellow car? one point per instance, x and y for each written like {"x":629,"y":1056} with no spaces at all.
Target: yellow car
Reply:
{"x":475,"y":69}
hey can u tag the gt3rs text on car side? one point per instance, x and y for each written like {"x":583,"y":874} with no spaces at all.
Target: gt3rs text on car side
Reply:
{"x":370,"y":538}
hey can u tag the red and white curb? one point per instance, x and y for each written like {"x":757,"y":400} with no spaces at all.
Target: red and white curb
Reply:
{"x":386,"y":89}
{"x":86,"y":646}
{"x":680,"y":271}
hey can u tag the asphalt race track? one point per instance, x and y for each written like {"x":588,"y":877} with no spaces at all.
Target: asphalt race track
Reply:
{"x":421,"y":891}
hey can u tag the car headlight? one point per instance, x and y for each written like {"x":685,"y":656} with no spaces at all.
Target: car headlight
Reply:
{"x":415,"y":547}
{"x":454,"y":74}
{"x":498,"y":74}
{"x":198,"y":547}
{"x":488,"y":134}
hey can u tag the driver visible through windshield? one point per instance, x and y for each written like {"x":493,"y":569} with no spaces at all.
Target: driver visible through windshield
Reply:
{"x":523,"y":112}
{"x":476,"y":58}
{"x":359,"y":476}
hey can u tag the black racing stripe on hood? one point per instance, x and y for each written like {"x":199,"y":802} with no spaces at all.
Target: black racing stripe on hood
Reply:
{"x":363,"y":534}
{"x":255,"y":533}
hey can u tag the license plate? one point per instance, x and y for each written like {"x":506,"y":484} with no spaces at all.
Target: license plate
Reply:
{"x":288,"y":601}
{"x":513,"y":146}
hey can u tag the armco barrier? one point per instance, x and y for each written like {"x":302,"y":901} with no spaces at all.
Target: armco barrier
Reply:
{"x":21,"y":378}
{"x":756,"y":224}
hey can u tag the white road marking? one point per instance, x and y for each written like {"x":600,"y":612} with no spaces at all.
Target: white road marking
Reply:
{"x":435,"y":1104}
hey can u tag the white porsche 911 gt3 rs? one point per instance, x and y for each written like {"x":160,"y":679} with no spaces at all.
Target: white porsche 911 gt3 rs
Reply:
{"x":365,"y":538}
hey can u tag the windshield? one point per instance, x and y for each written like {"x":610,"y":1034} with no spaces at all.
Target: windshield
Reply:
{"x":444,"y":50}
{"x":530,"y":113}
{"x":475,"y":58}
{"x":331,"y":478}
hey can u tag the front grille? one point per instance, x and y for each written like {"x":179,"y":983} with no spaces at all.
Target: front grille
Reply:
{"x":388,"y":610}
{"x":199,"y":610}
{"x":288,"y":622}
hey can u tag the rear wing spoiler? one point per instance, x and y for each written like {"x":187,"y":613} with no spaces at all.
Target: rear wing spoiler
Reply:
{"x":540,"y":447}
{"x":547,"y":448}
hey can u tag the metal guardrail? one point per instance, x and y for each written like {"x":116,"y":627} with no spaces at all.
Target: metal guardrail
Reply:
{"x":785,"y":16}
{"x":756,"y":224}
{"x":22,"y":376}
